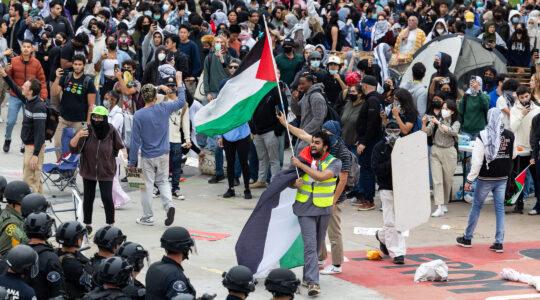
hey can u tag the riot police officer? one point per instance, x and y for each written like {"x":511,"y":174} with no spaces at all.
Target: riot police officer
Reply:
{"x":49,"y":283}
{"x":114,"y":273}
{"x":11,"y":220}
{"x":108,"y":239}
{"x":3,"y":183}
{"x":34,"y":203}
{"x":282,"y":283}
{"x":165,"y":279}
{"x":239,"y":281}
{"x":23,"y":263}
{"x":135,"y":255}
{"x":75,"y":265}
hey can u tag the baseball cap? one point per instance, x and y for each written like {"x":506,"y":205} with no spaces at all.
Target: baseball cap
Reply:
{"x":370,"y":80}
{"x":244,"y":48}
{"x":334,"y":60}
{"x":100,"y":110}
{"x":469,"y":17}
{"x":288,"y":42}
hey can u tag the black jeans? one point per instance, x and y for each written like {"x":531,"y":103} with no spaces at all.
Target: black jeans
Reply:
{"x":105,"y":188}
{"x":242,"y":148}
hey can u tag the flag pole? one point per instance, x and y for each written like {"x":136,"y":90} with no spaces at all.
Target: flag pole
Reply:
{"x":267,"y":33}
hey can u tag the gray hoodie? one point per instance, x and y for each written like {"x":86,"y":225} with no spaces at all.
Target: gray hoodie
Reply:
{"x":419,"y":93}
{"x":149,"y":47}
{"x":311,"y":109}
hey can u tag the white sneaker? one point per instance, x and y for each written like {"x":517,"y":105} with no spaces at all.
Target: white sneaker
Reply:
{"x":331,"y":269}
{"x":177,"y":196}
{"x":444,"y":209}
{"x":533,"y":212}
{"x":439,"y":212}
{"x":149,"y":221}
{"x":322,"y":263}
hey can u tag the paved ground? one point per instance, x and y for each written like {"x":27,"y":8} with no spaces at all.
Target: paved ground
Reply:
{"x":204,"y":210}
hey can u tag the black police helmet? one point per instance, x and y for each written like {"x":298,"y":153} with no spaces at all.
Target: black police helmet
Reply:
{"x":134,"y":253}
{"x":239,"y":279}
{"x":38,"y":225}
{"x":108,"y":237}
{"x":116,"y":271}
{"x":281,"y":281}
{"x":33,"y":203}
{"x":69,"y":233}
{"x":22,"y":259}
{"x":16,"y":190}
{"x":177,"y":239}
{"x":3,"y":183}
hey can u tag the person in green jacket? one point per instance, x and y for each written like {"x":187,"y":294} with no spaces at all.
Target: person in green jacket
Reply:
{"x":216,"y":68}
{"x":11,"y":220}
{"x":473,"y":109}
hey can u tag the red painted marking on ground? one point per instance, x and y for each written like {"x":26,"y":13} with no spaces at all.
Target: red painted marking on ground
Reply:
{"x":473,"y":272}
{"x":208,"y":236}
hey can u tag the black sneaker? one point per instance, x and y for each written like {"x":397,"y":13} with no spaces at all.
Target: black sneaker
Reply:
{"x":229,"y":193}
{"x":399,"y":260}
{"x":496,"y":247}
{"x":463,"y":242}
{"x":236,"y":181}
{"x":381,"y":245}
{"x":7,"y":143}
{"x":170,"y":216}
{"x":124,"y":179}
{"x":88,"y":230}
{"x":216,"y":178}
{"x":247,"y":194}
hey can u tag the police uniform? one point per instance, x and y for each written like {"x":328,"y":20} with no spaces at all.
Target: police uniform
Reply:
{"x":105,"y":294}
{"x":95,"y":261}
{"x":165,"y":279}
{"x":49,"y":282}
{"x":78,"y":278}
{"x":16,"y":288}
{"x":11,"y":226}
{"x":136,"y":290}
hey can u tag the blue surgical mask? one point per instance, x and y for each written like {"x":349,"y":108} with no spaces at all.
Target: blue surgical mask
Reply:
{"x":515,"y":20}
{"x":374,"y":17}
{"x":479,"y":3}
{"x":148,"y":13}
{"x":166,"y":7}
{"x":315,"y":64}
{"x":332,"y":72}
{"x":107,"y":104}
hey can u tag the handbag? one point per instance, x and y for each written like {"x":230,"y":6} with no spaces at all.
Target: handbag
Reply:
{"x":200,"y":95}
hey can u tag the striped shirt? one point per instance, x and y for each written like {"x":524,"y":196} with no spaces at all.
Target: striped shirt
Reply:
{"x":340,"y":151}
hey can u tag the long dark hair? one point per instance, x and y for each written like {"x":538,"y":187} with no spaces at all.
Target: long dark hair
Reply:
{"x":452,"y":105}
{"x":406,"y":100}
{"x":332,"y":22}
{"x":524,"y":37}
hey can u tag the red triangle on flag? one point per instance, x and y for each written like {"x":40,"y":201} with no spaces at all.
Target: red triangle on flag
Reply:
{"x":266,"y":65}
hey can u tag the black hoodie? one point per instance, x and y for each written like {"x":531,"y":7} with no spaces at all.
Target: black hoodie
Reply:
{"x":369,"y":123}
{"x":444,"y":71}
{"x":150,"y":74}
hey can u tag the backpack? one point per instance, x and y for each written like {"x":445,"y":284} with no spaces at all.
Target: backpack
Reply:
{"x":354,"y":173}
{"x":51,"y":123}
{"x":331,"y":113}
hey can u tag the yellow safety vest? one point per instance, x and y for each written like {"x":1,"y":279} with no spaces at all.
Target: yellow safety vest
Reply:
{"x":323,"y":191}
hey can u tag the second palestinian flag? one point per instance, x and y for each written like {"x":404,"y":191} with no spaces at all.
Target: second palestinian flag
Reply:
{"x":520,"y":181}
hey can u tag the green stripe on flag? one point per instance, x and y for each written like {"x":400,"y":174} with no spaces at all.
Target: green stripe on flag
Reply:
{"x":294,"y":256}
{"x":239,"y":114}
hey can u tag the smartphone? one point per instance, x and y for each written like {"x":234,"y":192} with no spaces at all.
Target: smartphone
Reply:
{"x":382,"y":107}
{"x":278,"y":109}
{"x":116,"y":67}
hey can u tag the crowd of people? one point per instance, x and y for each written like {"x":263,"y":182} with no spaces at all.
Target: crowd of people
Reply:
{"x":129,"y":78}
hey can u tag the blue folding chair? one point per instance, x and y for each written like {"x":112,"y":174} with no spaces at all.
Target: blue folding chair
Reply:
{"x":63,"y":173}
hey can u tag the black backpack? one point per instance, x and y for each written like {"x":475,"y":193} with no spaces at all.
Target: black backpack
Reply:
{"x":52,"y":121}
{"x":331,"y":113}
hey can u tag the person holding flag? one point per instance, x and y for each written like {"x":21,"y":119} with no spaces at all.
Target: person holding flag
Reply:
{"x":491,"y":159}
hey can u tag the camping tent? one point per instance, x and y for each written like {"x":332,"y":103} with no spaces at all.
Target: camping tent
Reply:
{"x":469,"y":57}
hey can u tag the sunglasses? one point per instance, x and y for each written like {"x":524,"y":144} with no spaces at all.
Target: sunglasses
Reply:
{"x":233,"y":67}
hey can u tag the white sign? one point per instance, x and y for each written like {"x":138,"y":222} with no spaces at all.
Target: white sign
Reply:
{"x":410,"y":179}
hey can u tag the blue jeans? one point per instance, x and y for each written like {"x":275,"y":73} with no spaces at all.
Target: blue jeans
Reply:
{"x":353,"y":149}
{"x":219,"y":163}
{"x":483,"y":187}
{"x":13,"y":113}
{"x":367,"y":178}
{"x":176,"y":165}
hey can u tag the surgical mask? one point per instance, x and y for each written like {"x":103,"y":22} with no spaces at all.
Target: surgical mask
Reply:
{"x":332,"y":72}
{"x":515,"y":20}
{"x":161,"y":56}
{"x":166,"y":7}
{"x":445,"y":113}
{"x":26,"y":7}
{"x":315,"y":64}
{"x":217,"y":47}
{"x":374,"y":17}
{"x":157,"y":17}
{"x":148,"y":13}
{"x":440,"y":31}
{"x":479,"y":4}
{"x":107,"y":104}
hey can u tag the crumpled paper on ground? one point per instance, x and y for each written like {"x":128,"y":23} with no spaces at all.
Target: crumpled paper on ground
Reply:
{"x":435,"y":270}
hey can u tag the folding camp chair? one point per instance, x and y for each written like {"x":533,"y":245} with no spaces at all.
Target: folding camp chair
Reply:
{"x":63,"y":173}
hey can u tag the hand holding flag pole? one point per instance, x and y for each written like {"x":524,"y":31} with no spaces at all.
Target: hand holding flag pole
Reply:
{"x":267,"y":35}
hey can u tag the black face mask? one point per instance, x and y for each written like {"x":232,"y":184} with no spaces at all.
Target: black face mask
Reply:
{"x":205,"y":51}
{"x":146,"y":28}
{"x":35,"y":30}
{"x":196,"y":30}
{"x":436,"y":65}
{"x":402,"y":21}
{"x":437,"y":104}
{"x":386,"y":87}
{"x":498,"y":17}
{"x":112,"y":45}
{"x":287,"y":49}
{"x":44,"y":42}
{"x":488,"y":79}
{"x":57,"y":42}
{"x":93,"y":32}
{"x":101,"y":128}
{"x":519,"y":31}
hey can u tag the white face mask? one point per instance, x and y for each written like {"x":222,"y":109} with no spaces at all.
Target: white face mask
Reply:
{"x":161,"y":56}
{"x":440,"y":31}
{"x":445,"y":113}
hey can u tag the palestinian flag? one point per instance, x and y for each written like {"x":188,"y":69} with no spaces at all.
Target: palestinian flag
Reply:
{"x":520,"y":181}
{"x":271,"y":237}
{"x":240,"y":96}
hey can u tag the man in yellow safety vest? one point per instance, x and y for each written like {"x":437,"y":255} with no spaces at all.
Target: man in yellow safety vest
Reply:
{"x":314,"y":202}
